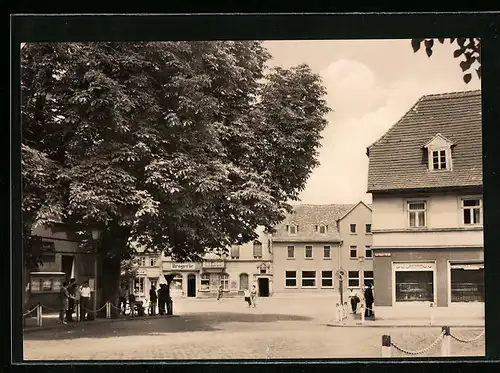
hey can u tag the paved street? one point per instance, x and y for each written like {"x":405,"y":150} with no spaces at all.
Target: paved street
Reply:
{"x":277,"y":328}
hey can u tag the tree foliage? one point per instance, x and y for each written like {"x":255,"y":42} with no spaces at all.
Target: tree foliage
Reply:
{"x":180,"y":146}
{"x":468,"y":49}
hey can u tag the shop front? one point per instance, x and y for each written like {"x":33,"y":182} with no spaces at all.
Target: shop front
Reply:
{"x":414,"y":283}
{"x":466,"y":283}
{"x":185,"y":282}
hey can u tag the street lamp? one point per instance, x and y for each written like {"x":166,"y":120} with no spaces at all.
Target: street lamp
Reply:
{"x":96,"y":235}
{"x":361,"y":272}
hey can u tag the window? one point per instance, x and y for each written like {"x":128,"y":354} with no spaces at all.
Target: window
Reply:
{"x":152,"y":262}
{"x":235,"y":252}
{"x":309,"y":252}
{"x":353,"y":252}
{"x":326,"y":279}
{"x":368,"y":278}
{"x":353,"y":278}
{"x":368,"y":252}
{"x":416,"y":213}
{"x":243,"y":281}
{"x":308,"y":279}
{"x":263,"y":271}
{"x":321,"y":228}
{"x":48,"y":252}
{"x":439,"y":160}
{"x":293,"y":229}
{"x":352,"y":228}
{"x":368,"y":228}
{"x":471,"y":208}
{"x":467,"y":282}
{"x":205,"y":282}
{"x":139,"y":284}
{"x":290,"y":252}
{"x":257,"y":250}
{"x":40,"y":283}
{"x":154,"y":282}
{"x":290,"y":279}
{"x":327,"y":252}
{"x":414,"y":286}
{"x":224,"y":281}
{"x":142,"y":261}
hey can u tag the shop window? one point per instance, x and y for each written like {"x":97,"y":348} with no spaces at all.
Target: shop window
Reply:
{"x":326,"y":279}
{"x":353,"y":279}
{"x":467,"y":282}
{"x":176,"y":284}
{"x":290,"y":279}
{"x":243,"y":281}
{"x":414,"y":286}
{"x":139,"y":285}
{"x":308,"y":279}
{"x":46,"y":283}
{"x":368,"y":278}
{"x":205,"y":282}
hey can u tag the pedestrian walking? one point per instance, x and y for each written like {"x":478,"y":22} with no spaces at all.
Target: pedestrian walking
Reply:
{"x":253,"y":296}
{"x":246,"y":294}
{"x":369,"y":300}
{"x":84,"y":300}
{"x":353,"y":296}
{"x":219,"y":294}
{"x":153,"y":298}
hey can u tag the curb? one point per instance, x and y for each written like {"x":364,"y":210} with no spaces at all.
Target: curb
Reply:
{"x":367,"y":325}
{"x":74,"y":325}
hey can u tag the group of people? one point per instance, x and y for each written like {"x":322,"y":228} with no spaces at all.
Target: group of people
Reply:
{"x":162,"y":297}
{"x":251,"y":296}
{"x":71,"y":296}
{"x":365,"y":296}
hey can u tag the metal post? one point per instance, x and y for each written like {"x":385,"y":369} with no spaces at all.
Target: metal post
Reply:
{"x":431,"y":314}
{"x":39,"y":315}
{"x":341,"y":289}
{"x":386,"y":346}
{"x":95,"y":282}
{"x":77,"y":304}
{"x":446,"y":344}
{"x":362,"y":314}
{"x":108,"y":309}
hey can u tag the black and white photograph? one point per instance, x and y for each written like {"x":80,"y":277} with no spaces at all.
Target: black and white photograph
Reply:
{"x":252,"y":199}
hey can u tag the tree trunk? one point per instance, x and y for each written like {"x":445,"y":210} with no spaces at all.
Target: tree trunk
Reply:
{"x":109,"y":284}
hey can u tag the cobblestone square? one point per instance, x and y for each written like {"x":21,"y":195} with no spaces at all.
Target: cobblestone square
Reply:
{"x":276,"y":329}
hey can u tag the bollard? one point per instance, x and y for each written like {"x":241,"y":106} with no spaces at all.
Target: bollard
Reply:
{"x":344,"y":314}
{"x":39,"y":315}
{"x":386,"y":346}
{"x":446,"y":343}
{"x":431,"y":314}
{"x":362,"y":314}
{"x":77,"y":306}
{"x":108,"y":309}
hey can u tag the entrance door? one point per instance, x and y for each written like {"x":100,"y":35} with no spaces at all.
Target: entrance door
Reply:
{"x":263,"y":287}
{"x":67,"y":265}
{"x":191,"y":286}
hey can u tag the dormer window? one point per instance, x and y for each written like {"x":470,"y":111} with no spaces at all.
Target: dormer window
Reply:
{"x":292,"y":228}
{"x":439,"y":153}
{"x":321,"y":228}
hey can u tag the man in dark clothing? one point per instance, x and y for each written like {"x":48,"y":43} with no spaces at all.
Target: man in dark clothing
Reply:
{"x":369,"y":301}
{"x":71,"y":303}
{"x":122,"y":298}
{"x":162,"y":299}
{"x":153,"y":297}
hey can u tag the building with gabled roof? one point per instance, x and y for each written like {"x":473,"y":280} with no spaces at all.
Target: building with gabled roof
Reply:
{"x":425,"y":177}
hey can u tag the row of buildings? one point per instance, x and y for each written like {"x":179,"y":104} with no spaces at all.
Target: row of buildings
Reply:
{"x":419,"y":242}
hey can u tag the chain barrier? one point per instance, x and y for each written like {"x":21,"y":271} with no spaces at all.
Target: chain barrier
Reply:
{"x":49,"y":308}
{"x":409,"y":352}
{"x":30,"y":311}
{"x":456,"y":338}
{"x":116,"y":308}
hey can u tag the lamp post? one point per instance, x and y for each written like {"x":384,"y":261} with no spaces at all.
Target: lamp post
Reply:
{"x":96,"y":235}
{"x":361,"y":272}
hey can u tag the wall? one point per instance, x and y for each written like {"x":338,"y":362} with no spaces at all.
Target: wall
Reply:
{"x":360,"y":215}
{"x":281,"y":264}
{"x":383,"y":269}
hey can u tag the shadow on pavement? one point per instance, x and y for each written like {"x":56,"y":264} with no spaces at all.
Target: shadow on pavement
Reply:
{"x":194,"y":322}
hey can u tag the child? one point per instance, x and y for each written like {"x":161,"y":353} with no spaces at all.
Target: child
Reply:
{"x":219,"y":294}
{"x":253,"y":296}
{"x":247,"y":297}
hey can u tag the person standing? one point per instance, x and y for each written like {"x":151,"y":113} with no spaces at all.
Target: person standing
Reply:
{"x":64,"y":297}
{"x":84,"y":300}
{"x":246,"y":293}
{"x":253,"y":296}
{"x":353,"y":296}
{"x":71,"y":300}
{"x":219,"y":294}
{"x":369,"y":301}
{"x":162,"y":299}
{"x":122,"y":298}
{"x":153,"y":297}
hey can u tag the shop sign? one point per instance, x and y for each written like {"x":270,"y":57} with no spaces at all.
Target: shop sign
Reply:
{"x":141,"y":272}
{"x":382,"y":254}
{"x":414,"y":266}
{"x":468,"y":266}
{"x":183,"y":266}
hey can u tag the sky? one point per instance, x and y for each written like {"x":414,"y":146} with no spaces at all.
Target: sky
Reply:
{"x":370,"y":85}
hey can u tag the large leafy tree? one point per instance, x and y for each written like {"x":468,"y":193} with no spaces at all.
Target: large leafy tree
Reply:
{"x":181,"y":146}
{"x":468,"y":50}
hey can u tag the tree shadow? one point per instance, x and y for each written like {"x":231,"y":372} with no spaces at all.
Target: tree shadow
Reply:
{"x":194,"y":322}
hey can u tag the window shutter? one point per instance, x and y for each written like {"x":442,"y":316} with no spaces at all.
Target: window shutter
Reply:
{"x":257,"y":248}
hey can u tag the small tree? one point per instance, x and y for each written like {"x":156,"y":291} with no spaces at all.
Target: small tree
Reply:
{"x":468,"y":48}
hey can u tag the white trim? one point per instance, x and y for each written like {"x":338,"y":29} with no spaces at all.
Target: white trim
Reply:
{"x":327,"y":278}
{"x":290,"y":257}
{"x":461,"y":209}
{"x":407,"y":209}
{"x":357,"y":253}
{"x":411,"y":266}
{"x":289,"y":278}
{"x":302,"y":286}
{"x":312,"y":252}
{"x":330,"y":251}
